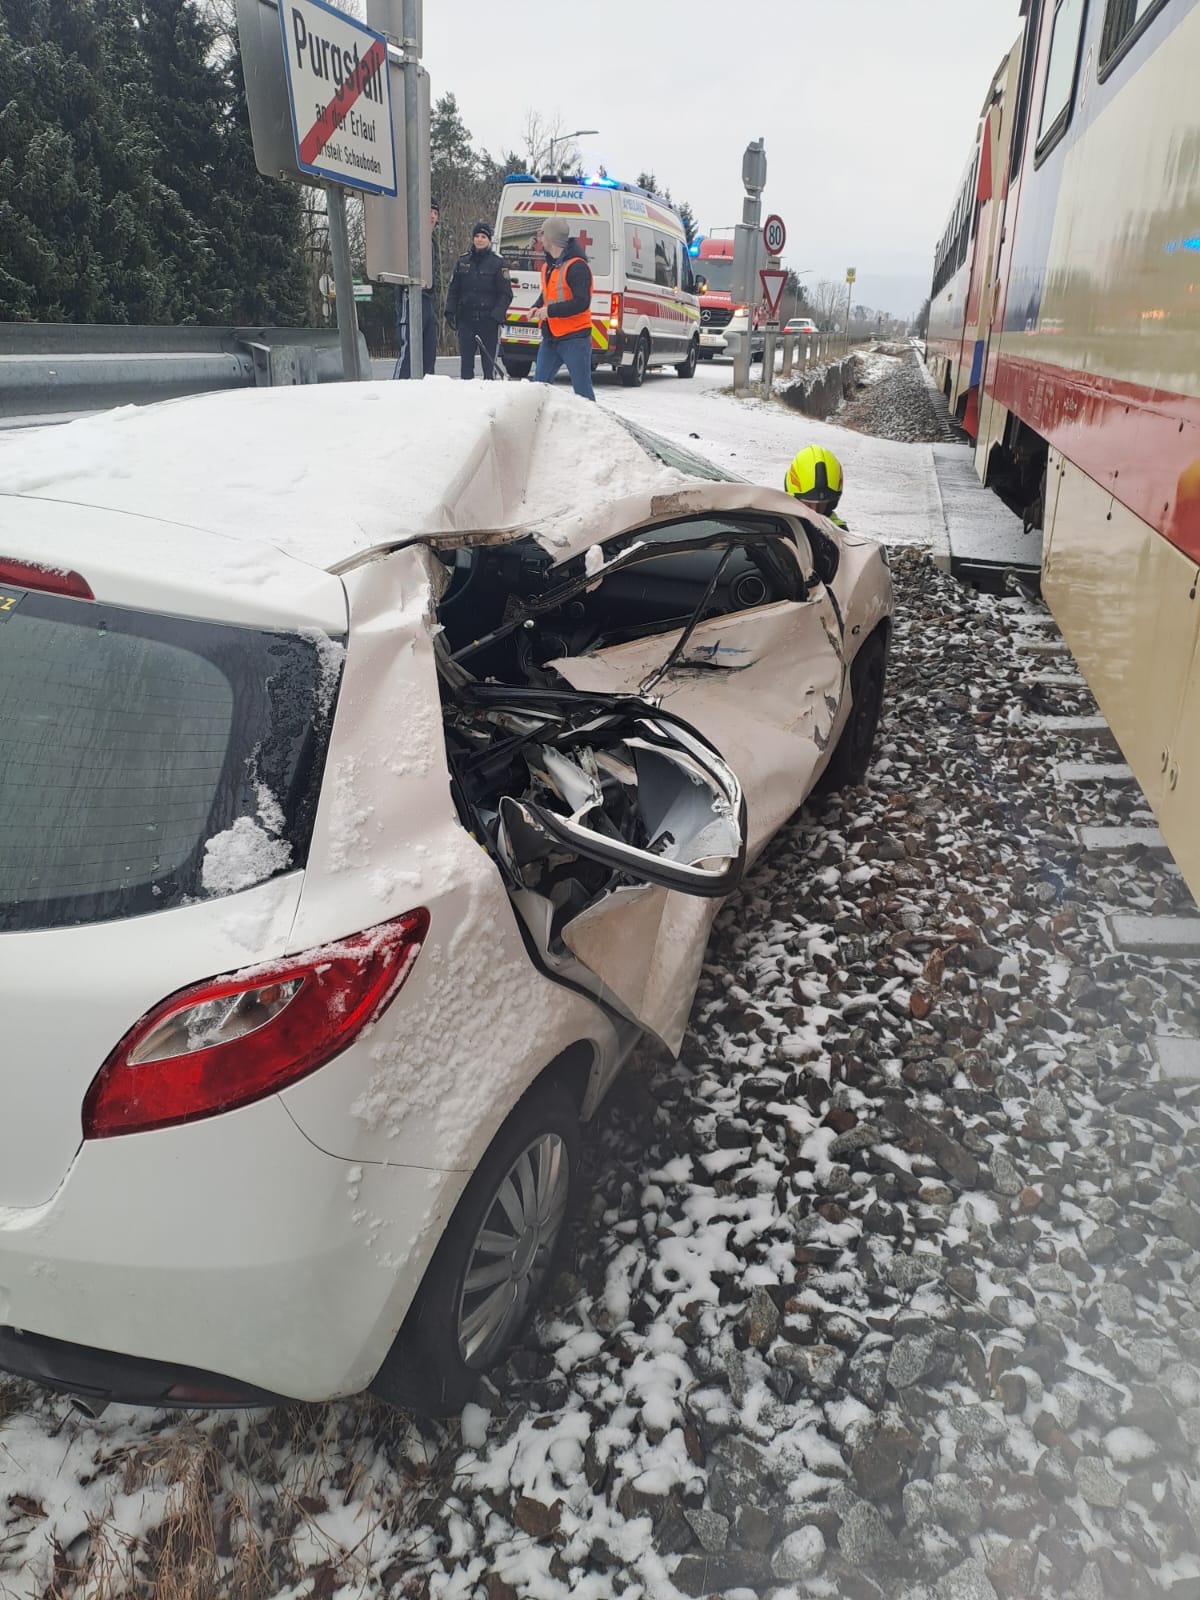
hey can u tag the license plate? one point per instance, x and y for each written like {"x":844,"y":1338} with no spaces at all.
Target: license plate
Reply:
{"x":522,"y":335}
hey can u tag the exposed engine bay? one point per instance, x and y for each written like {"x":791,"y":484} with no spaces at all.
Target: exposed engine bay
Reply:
{"x":577,"y":795}
{"x":589,"y":802}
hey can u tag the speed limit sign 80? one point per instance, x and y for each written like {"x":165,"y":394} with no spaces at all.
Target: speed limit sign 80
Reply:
{"x":774,"y":235}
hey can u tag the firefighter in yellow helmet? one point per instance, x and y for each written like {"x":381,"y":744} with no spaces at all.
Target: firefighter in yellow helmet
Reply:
{"x":815,"y":476}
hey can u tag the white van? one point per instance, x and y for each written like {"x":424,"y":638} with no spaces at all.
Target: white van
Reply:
{"x":645,"y":310}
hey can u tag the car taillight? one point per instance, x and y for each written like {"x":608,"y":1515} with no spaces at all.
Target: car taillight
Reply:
{"x":233,"y":1039}
{"x":49,"y":580}
{"x":614,"y":315}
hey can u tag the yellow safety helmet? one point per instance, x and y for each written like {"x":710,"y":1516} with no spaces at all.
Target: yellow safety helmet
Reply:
{"x":815,"y":476}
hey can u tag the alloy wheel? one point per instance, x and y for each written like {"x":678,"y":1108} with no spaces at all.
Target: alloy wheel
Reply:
{"x":513,"y":1248}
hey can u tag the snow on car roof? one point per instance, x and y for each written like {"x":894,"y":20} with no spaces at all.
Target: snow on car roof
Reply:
{"x":327,"y":472}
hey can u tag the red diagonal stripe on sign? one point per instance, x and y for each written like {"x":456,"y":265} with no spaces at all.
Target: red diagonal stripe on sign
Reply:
{"x":319,"y":135}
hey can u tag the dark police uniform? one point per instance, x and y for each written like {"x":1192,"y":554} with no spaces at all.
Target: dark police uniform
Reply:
{"x":479,"y":298}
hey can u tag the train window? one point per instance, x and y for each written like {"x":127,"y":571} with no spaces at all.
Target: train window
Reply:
{"x":1061,"y":69}
{"x":1025,"y":85}
{"x":1124,"y":21}
{"x":973,"y":198}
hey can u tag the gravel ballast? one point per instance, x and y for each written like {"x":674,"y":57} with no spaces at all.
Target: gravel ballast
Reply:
{"x":894,"y":400}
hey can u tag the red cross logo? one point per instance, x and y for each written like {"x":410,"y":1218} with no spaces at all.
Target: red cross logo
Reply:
{"x":585,"y":239}
{"x":637,"y":244}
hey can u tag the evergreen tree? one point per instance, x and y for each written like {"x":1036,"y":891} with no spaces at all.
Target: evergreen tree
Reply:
{"x":649,"y":181}
{"x":466,"y":181}
{"x":257,"y":226}
{"x":75,"y":193}
{"x":128,"y":191}
{"x":175,"y":90}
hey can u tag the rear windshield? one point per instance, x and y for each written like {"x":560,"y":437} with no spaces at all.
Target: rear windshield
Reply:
{"x":148,"y":761}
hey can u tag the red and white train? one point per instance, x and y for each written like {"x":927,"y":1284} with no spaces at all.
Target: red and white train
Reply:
{"x":1065,"y":331}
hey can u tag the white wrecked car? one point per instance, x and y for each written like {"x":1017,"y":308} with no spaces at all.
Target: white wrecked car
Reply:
{"x":373,"y":762}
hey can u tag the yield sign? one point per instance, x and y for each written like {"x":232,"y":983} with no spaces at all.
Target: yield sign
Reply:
{"x":772,"y":280}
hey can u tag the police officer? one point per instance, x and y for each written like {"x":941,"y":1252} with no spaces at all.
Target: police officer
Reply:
{"x":480,"y":294}
{"x":815,"y":476}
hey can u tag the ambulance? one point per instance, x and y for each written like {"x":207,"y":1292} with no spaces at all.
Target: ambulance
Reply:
{"x":645,"y":309}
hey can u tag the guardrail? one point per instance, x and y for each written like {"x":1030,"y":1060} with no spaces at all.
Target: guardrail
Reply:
{"x":800,"y":351}
{"x":61,"y":369}
{"x":804,"y":350}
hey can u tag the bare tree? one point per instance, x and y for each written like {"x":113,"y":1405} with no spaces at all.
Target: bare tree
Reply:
{"x":546,"y":145}
{"x":828,"y":300}
{"x":318,"y":255}
{"x":221,"y":16}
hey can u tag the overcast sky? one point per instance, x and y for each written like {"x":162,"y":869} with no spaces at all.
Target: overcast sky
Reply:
{"x":867,"y":107}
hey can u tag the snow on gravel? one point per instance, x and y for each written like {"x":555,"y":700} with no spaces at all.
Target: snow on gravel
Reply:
{"x":895,"y":400}
{"x":889,"y":1286}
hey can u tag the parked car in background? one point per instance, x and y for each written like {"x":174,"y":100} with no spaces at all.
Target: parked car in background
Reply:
{"x":373,"y":762}
{"x":801,"y":325}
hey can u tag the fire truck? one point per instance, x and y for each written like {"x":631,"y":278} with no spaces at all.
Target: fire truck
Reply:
{"x":724,"y":322}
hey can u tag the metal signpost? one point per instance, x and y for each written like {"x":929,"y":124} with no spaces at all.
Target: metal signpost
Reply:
{"x":399,"y":239}
{"x":337,"y":78}
{"x":745,"y":252}
{"x":387,"y":219}
{"x":772,"y":279}
{"x":319,"y":89}
{"x":850,"y":277}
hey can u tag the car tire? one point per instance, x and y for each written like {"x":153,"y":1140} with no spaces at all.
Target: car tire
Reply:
{"x":517,"y":366}
{"x":687,"y":369}
{"x":633,"y":376}
{"x":449,"y":1339}
{"x":850,"y":760}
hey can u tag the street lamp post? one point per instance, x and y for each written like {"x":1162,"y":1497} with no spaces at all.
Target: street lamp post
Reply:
{"x":803,"y":272}
{"x":562,"y":138}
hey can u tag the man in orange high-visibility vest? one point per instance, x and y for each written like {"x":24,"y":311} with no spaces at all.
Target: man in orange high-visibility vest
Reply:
{"x":564,"y":309}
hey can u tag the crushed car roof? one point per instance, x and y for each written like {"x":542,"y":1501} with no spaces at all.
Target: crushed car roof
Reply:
{"x":326,"y":473}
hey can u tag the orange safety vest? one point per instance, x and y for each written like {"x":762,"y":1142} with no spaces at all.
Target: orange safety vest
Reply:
{"x":554,"y":287}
